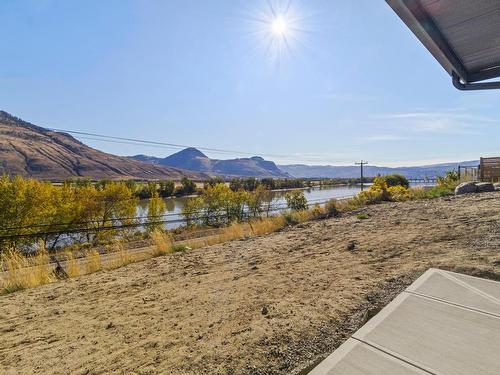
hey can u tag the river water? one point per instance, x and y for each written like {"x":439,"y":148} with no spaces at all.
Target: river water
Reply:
{"x":313,"y":195}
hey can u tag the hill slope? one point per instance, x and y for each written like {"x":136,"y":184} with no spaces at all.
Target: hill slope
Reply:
{"x":193,"y":159}
{"x":30,"y":150}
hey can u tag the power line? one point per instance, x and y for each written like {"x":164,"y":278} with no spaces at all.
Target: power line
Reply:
{"x":175,"y":146}
{"x":116,"y":219}
{"x":162,"y":144}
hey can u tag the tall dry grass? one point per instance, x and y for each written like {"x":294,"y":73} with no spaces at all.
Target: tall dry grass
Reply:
{"x":25,"y":271}
{"x":162,"y":243}
{"x":73,"y":268}
{"x":268,"y":225}
{"x":93,"y":261}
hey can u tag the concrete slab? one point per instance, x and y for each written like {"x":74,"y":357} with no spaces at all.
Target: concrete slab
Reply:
{"x":357,"y":358}
{"x":444,"y":323}
{"x":466,"y":292}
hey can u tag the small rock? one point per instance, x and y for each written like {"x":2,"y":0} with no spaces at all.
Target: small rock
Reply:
{"x":265,"y":311}
{"x":351,"y":245}
{"x":483,"y":187}
{"x":110,"y":325}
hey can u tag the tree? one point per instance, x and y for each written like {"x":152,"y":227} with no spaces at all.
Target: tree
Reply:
{"x":187,"y":187}
{"x":156,"y":210}
{"x":193,"y":210}
{"x":167,"y":188}
{"x":296,"y":200}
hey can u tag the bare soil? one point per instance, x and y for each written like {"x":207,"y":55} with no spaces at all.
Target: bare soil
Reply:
{"x":269,"y":305}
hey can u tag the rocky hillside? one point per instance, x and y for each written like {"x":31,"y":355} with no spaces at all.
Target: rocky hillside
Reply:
{"x":193,"y":159}
{"x":30,"y":150}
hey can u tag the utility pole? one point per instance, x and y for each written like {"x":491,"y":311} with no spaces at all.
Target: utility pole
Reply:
{"x":361,"y":164}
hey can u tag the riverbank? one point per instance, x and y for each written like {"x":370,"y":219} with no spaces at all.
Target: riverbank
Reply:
{"x":266,"y":305}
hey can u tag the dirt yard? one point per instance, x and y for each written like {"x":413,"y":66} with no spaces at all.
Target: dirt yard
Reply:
{"x":269,"y":305}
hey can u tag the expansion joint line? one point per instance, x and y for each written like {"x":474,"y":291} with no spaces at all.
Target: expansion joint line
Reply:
{"x":396,"y":356}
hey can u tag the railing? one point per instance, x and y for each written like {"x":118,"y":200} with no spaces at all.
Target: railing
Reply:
{"x":468,"y":173}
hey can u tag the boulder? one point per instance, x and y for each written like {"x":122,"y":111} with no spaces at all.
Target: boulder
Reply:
{"x":497,"y":186}
{"x":483,"y":187}
{"x":465,"y":188}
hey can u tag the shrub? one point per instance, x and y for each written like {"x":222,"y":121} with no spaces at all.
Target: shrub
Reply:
{"x":332,"y":208}
{"x":450,"y":180}
{"x":296,"y":217}
{"x":399,"y":193}
{"x":296,"y":200}
{"x":180,"y":247}
{"x":362,"y":216}
{"x":318,"y":212}
{"x":396,"y":180}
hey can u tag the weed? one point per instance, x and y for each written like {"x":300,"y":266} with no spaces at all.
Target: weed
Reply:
{"x":362,"y":216}
{"x":162,"y":241}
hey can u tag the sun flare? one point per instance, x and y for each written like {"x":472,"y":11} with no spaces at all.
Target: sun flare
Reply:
{"x":279,"y":26}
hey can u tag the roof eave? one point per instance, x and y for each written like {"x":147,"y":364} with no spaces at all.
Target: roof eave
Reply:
{"x":424,"y":28}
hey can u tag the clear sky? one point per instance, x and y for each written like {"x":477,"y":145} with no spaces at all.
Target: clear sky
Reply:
{"x":351,"y":81}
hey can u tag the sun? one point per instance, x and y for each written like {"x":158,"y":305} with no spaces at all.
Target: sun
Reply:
{"x":279,"y":26}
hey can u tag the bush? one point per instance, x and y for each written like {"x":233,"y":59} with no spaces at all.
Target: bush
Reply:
{"x":399,"y":193}
{"x":396,"y":180}
{"x":450,"y":180}
{"x":332,"y":208}
{"x":296,"y":200}
{"x":318,"y":212}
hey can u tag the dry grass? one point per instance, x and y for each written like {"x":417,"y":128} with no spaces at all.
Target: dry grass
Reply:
{"x":162,"y":242}
{"x":93,"y":261}
{"x":25,"y":272}
{"x":73,"y":268}
{"x":119,"y":257}
{"x":268,"y":225}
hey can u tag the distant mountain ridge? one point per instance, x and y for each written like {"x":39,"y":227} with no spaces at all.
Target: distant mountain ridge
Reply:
{"x":193,"y":159}
{"x":331,"y":171}
{"x":33,"y":151}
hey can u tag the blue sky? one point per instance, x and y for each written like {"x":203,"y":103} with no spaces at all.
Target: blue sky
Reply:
{"x":354,"y":82}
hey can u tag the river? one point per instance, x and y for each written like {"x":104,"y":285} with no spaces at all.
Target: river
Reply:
{"x":316,"y":194}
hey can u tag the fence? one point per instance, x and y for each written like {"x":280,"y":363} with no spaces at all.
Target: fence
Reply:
{"x":489,"y":169}
{"x":468,"y":173}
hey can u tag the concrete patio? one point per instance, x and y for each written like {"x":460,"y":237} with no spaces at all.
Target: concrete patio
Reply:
{"x":444,"y":324}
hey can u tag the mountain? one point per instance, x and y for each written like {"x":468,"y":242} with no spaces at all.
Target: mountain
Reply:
{"x":193,"y":159}
{"x":331,"y":171}
{"x":30,"y":150}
